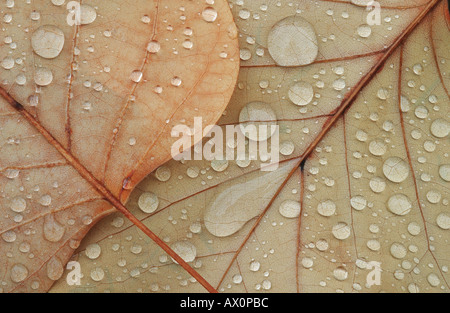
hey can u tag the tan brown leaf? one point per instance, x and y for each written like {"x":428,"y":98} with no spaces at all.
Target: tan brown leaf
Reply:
{"x":86,"y":113}
{"x":341,"y":197}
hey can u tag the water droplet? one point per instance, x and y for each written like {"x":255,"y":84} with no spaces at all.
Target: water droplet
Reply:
{"x":45,"y":200}
{"x":43,"y":76}
{"x":340,"y":274}
{"x":93,"y":251}
{"x":358,"y":203}
{"x":322,"y":245}
{"x":413,"y":288}
{"x":404,"y":104}
{"x":148,"y":202}
{"x":186,"y":250}
{"x":209,"y":14}
{"x":444,"y":172}
{"x":293,"y":42}
{"x":8,"y":63}
{"x":58,"y":2}
{"x":301,"y":93}
{"x":176,"y":81}
{"x":443,"y":221}
{"x":254,"y":266}
{"x":398,"y":250}
{"x":256,"y":114}
{"x":364,"y":31}
{"x":219,"y":165}
{"x":440,"y":128}
{"x":235,"y":204}
{"x":163,"y":173}
{"x":290,"y":208}
{"x":97,"y":274}
{"x":341,"y":231}
{"x":237,"y":279}
{"x":48,"y":41}
{"x":434,"y":196}
{"x":377,"y":147}
{"x":433,"y":280}
{"x":153,"y":47}
{"x":87,"y":14}
{"x":326,"y":208}
{"x":399,"y":204}
{"x":418,"y":69}
{"x":19,"y":273}
{"x":195,"y":228}
{"x":18,"y":204}
{"x":373,"y":245}
{"x":136,"y":76}
{"x":287,"y":148}
{"x":395,"y":169}
{"x":55,"y":269}
{"x":421,"y":112}
{"x":53,"y":231}
{"x":193,"y":172}
{"x":414,"y":228}
{"x":266,"y":284}
{"x":9,"y":236}
{"x":377,"y":184}
{"x":339,"y":84}
{"x":307,"y":262}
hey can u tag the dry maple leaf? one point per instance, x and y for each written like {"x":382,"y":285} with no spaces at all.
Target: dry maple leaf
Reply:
{"x":87,"y":105}
{"x":364,"y":171}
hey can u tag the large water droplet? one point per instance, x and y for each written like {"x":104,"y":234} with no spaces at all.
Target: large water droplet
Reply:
{"x":48,"y":41}
{"x":236,"y":204}
{"x":395,"y":169}
{"x":293,"y":42}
